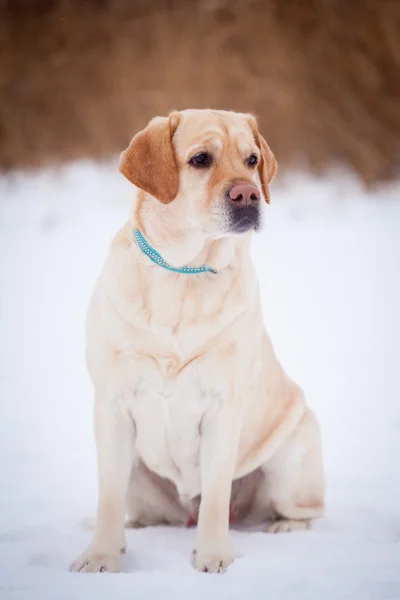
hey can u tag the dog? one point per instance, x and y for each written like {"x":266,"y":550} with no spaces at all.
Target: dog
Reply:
{"x":196,"y":422}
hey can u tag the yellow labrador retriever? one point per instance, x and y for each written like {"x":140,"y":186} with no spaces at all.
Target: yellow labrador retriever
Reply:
{"x":195,"y":419}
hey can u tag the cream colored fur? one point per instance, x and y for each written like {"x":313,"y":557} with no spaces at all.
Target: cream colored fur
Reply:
{"x":192,"y":408}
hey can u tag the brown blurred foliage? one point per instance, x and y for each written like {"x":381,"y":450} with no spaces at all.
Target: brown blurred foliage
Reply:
{"x":79,"y":78}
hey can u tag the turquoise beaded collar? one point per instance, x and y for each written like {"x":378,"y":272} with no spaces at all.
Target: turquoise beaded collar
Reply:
{"x":158,"y":259}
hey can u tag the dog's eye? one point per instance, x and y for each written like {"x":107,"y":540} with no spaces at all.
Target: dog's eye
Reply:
{"x":252,"y":161}
{"x":201,"y":160}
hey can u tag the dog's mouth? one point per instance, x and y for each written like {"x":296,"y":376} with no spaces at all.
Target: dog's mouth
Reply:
{"x":242,"y":219}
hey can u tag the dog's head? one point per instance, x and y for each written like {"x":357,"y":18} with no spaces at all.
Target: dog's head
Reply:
{"x":214,"y":164}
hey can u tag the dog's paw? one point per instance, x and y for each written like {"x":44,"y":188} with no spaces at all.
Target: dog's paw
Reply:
{"x":97,"y":563}
{"x":287,"y":525}
{"x":212,"y":562}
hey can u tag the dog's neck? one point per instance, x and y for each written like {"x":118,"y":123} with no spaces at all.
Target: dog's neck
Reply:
{"x":180,"y":242}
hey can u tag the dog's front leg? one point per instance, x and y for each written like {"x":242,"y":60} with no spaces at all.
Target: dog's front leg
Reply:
{"x":115,"y":442}
{"x":219,"y":444}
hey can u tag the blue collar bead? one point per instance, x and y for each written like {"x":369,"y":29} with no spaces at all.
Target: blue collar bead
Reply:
{"x":158,"y":259}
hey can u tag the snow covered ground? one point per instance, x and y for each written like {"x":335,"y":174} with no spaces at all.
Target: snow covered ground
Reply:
{"x":328,"y":262}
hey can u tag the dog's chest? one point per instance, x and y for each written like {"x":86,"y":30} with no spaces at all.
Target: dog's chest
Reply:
{"x":168,"y":407}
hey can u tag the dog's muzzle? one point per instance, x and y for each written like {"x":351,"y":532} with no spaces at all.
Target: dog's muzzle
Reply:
{"x":244,"y":207}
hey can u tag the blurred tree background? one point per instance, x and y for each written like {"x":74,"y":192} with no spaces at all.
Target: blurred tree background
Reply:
{"x":79,"y":78}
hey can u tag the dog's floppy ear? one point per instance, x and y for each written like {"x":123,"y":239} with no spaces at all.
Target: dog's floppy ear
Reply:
{"x":149,"y":161}
{"x":267,"y":166}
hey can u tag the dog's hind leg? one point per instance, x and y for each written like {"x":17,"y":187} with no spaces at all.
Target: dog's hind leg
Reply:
{"x":289,"y":492}
{"x":294,"y":478}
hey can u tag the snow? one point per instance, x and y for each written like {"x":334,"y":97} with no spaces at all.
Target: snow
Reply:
{"x":328,"y":264}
